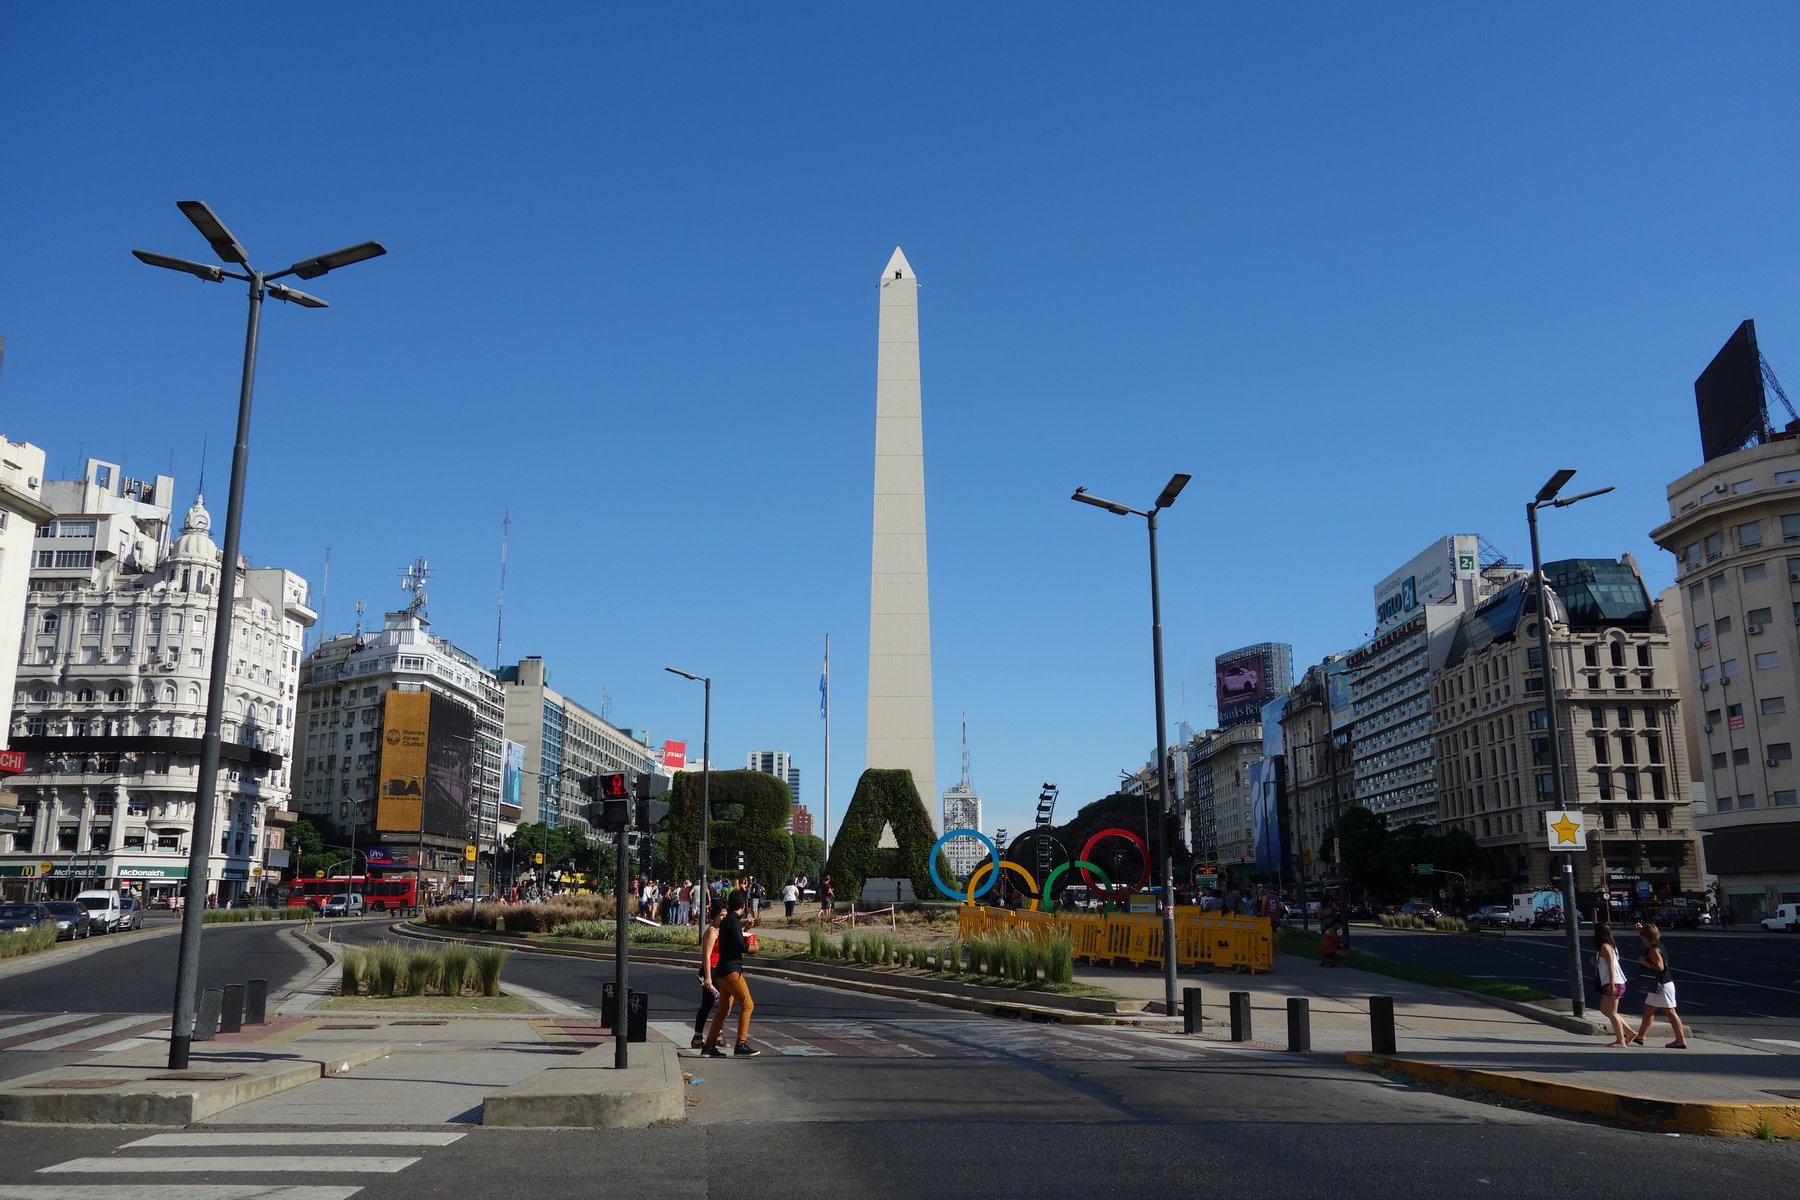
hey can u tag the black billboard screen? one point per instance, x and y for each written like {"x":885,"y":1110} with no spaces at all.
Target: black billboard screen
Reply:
{"x":449,"y":761}
{"x":1729,"y":396}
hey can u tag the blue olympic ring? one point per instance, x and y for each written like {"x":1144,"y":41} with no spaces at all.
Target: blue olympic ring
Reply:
{"x":993,"y":851}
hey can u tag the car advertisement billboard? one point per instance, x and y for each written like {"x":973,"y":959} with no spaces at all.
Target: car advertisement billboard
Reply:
{"x":674,"y":755}
{"x":1241,"y":679}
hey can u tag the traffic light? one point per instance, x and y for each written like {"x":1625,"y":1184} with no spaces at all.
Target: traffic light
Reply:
{"x":740,"y":860}
{"x":611,"y":794}
{"x":648,"y":789}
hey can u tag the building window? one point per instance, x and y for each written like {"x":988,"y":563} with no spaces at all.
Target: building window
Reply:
{"x":1746,"y":801}
{"x":1725,"y":804}
{"x":1601,"y":753}
{"x":1690,"y":557}
{"x":1657,"y":788}
{"x":1631,"y":785}
{"x":1546,"y":786}
{"x":1717,"y":584}
{"x":1772,"y":705}
{"x":1725,"y":624}
{"x":1749,"y":536}
{"x":1784,"y":799}
{"x":52,"y":622}
{"x":1628,"y":751}
{"x":1728,"y":669}
{"x":1715,"y":546}
{"x":1768,"y":659}
{"x":1756,"y":573}
{"x":1780,"y":751}
{"x":1740,"y":756}
{"x":1790,"y":527}
{"x":1759,"y":616}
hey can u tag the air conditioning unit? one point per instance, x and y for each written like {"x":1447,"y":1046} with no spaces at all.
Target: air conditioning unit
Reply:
{"x":1700,"y":645}
{"x":1754,"y":628}
{"x":32,"y":482}
{"x":1706,"y":687}
{"x":1706,"y":729}
{"x":1720,"y":488}
{"x":1769,"y":762}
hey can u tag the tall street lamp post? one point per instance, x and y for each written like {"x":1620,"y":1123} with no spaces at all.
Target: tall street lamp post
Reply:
{"x":1546,"y":498}
{"x":1169,"y":492}
{"x":705,"y":788}
{"x":226,"y":247}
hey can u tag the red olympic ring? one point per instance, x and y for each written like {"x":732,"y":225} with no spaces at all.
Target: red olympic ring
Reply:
{"x":1117,"y":889}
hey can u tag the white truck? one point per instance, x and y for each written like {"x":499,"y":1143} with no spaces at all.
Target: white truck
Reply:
{"x":1531,"y":909}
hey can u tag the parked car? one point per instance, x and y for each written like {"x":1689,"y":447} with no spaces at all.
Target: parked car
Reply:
{"x":71,"y":920}
{"x":23,"y":918}
{"x":104,"y":909}
{"x":344,"y":904}
{"x":1785,"y":916}
{"x":131,"y":913}
{"x":1490,"y":916}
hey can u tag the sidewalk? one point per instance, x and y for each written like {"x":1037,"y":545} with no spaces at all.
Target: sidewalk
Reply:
{"x":1452,"y":1038}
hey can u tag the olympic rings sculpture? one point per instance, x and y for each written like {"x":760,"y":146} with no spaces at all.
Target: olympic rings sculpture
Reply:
{"x":1039,"y":895}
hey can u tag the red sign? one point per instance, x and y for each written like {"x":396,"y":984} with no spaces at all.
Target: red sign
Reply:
{"x":1735,"y":722}
{"x":675,"y":755}
{"x":12,"y":761}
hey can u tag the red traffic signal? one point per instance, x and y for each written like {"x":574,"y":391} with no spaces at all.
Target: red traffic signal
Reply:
{"x":615,"y":787}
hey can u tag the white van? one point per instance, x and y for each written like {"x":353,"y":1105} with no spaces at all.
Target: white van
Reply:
{"x":105,"y":911}
{"x":1786,"y":916}
{"x":344,"y":904}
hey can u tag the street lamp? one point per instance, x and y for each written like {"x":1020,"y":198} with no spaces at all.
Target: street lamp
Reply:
{"x":187,"y":974}
{"x":1546,"y":498}
{"x":1171,"y":490}
{"x":705,"y":788}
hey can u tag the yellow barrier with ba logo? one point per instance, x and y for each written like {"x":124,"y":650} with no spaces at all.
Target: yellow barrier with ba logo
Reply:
{"x":1202,"y":939}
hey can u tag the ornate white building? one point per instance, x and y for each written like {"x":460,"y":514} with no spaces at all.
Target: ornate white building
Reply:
{"x":110,"y":700}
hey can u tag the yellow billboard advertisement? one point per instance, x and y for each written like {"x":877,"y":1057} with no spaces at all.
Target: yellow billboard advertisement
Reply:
{"x":405,"y":730}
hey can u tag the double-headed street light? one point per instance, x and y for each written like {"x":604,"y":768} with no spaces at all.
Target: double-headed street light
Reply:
{"x":1547,"y":498}
{"x":1169,"y":492}
{"x":705,"y":788}
{"x":227,"y":247}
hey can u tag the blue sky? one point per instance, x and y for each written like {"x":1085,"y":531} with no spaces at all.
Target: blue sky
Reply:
{"x":1343,"y":264}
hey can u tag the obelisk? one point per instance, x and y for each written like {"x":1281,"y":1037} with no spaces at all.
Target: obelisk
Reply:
{"x":900,"y":730}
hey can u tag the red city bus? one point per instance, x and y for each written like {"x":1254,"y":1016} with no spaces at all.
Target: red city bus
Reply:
{"x":395,"y":891}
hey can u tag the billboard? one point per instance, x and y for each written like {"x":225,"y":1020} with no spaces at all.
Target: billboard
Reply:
{"x":427,"y":751}
{"x":1265,"y":816}
{"x":512,"y":774}
{"x":1274,"y":743}
{"x":1729,"y":396}
{"x":1247,"y":679}
{"x":1338,"y":705}
{"x":1429,"y":578}
{"x":674,"y":755}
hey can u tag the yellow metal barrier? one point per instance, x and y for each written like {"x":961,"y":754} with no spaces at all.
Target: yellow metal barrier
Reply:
{"x":1136,"y":939}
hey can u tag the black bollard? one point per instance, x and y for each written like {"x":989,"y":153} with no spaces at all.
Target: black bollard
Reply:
{"x":1191,"y":1017}
{"x":1299,"y":1025}
{"x":1381,"y":1024}
{"x":256,"y":1002}
{"x":231,"y":1009}
{"x":206,"y":1016}
{"x":1240,"y":1016}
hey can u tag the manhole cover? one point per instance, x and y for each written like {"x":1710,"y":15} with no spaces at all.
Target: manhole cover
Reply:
{"x":199,"y":1076}
{"x":1787,"y":1095}
{"x":347,"y":1027}
{"x":417,"y":1022}
{"x":79,"y":1085}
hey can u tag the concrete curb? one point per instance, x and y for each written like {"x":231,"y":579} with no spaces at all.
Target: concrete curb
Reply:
{"x":1567,"y":1022}
{"x":591,"y":1093}
{"x":1715,"y":1118}
{"x":124,"y":1089}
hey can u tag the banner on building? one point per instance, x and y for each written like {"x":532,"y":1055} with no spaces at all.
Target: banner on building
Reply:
{"x":512,"y":774}
{"x":427,"y":755}
{"x":1265,"y":816}
{"x":675,"y":755}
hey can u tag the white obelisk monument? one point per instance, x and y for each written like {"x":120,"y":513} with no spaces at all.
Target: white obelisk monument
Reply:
{"x":900,"y":730}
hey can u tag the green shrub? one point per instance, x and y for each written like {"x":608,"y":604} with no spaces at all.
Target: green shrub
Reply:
{"x":352,"y":966}
{"x":1059,"y":959}
{"x":524,"y":918}
{"x":454,"y":969}
{"x":388,"y":964}
{"x":421,"y":971}
{"x":488,"y":963}
{"x":815,"y":942}
{"x":12,"y":945}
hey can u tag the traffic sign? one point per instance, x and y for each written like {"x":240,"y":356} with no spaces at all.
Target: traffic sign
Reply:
{"x":45,"y":867}
{"x":538,"y":859}
{"x":469,"y":853}
{"x":318,"y":874}
{"x":1424,"y":868}
{"x":256,"y":871}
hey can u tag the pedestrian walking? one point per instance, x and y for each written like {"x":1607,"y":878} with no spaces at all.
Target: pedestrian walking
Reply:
{"x":709,"y":959}
{"x":728,"y":979}
{"x":827,"y":897}
{"x":756,"y":899}
{"x":1659,"y":985}
{"x":1609,"y":978}
{"x":790,"y":896}
{"x":1269,"y":907}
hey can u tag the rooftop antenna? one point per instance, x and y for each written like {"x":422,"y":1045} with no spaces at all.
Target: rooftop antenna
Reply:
{"x":412,"y":579}
{"x":360,"y":606}
{"x":500,"y":618}
{"x":606,"y":704}
{"x":324,"y":598}
{"x":200,"y":489}
{"x":963,"y":783}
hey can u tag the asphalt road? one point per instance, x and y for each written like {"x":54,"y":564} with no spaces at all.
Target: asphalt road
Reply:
{"x":1741,"y":986}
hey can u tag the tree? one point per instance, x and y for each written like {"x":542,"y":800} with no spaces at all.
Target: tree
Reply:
{"x":564,"y":847}
{"x":809,"y":856}
{"x":750,"y":812}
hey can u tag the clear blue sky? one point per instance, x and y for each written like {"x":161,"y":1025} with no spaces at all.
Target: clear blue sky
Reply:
{"x":1345,"y":264}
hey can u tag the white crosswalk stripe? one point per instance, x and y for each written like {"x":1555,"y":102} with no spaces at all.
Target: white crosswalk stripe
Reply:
{"x":930,"y":1038}
{"x":63,"y":1030}
{"x":140,"y":1158}
{"x":85,"y":1033}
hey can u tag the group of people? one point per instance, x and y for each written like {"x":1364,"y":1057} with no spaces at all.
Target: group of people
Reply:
{"x":1655,"y":979}
{"x":724,"y":943}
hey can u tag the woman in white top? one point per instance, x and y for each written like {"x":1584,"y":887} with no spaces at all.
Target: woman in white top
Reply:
{"x":1611,"y":978}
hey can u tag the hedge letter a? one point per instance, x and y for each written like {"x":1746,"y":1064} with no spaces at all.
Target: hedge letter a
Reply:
{"x":884,"y":797}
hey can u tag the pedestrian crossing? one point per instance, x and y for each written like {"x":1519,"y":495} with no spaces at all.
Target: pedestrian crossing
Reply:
{"x":932,"y":1038}
{"x":82,"y":1032}
{"x":256,"y":1162}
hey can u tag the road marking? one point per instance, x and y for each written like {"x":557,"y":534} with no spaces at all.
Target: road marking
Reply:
{"x":1777,"y":1042}
{"x":323,"y":1164}
{"x":8,"y":1031}
{"x":360,"y":1137}
{"x":177,"y":1191}
{"x":84,"y":1034}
